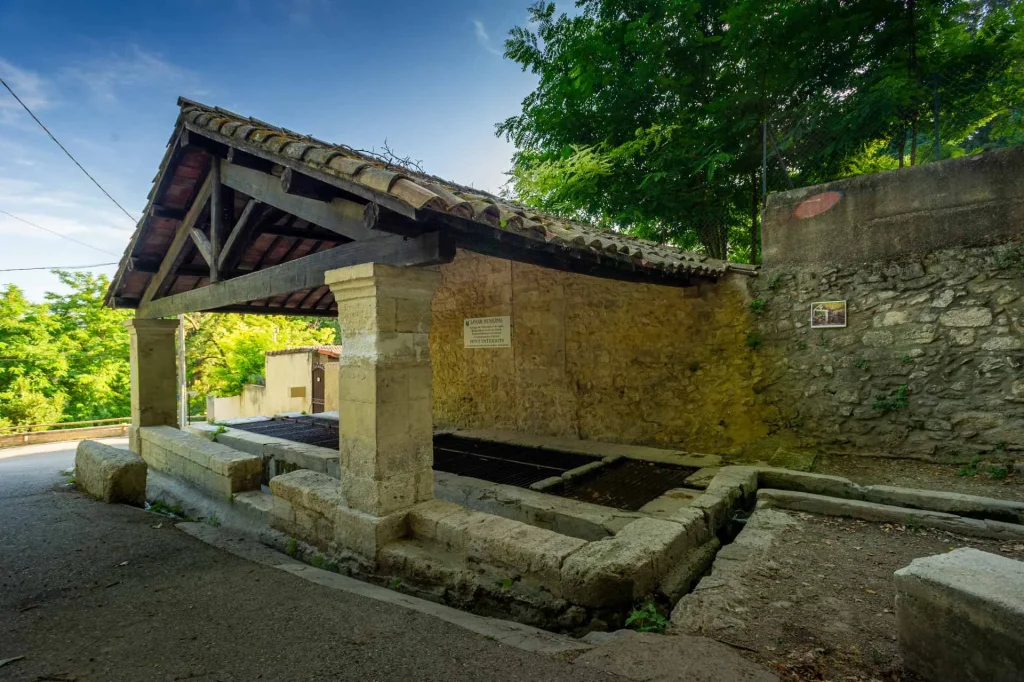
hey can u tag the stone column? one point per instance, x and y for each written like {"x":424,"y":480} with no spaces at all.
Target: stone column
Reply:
{"x":154,"y":375}
{"x":384,"y":399}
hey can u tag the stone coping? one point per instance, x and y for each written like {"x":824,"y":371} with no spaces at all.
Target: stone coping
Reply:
{"x":590,"y":448}
{"x":302,"y":455}
{"x":216,"y":467}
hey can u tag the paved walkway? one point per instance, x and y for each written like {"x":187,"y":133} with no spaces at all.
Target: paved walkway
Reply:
{"x":104,"y":592}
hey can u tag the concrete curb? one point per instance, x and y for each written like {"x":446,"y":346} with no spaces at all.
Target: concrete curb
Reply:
{"x":516,"y":635}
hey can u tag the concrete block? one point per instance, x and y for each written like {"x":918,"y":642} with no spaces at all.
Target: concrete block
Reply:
{"x":959,"y":617}
{"x":423,"y":518}
{"x":953,"y":503}
{"x":110,"y":474}
{"x":609,"y":572}
{"x":702,"y":477}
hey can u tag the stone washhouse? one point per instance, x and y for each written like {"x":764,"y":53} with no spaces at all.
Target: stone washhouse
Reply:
{"x":520,"y":397}
{"x":247,"y":217}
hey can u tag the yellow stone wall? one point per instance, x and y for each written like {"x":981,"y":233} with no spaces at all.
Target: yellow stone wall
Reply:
{"x":597,"y":359}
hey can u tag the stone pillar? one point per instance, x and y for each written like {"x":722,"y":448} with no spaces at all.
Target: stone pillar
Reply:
{"x":385,"y":405}
{"x":154,"y":375}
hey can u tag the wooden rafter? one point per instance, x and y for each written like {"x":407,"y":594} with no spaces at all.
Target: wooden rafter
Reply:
{"x":176,"y":250}
{"x":240,"y":234}
{"x":304,"y":273}
{"x":339,"y":215}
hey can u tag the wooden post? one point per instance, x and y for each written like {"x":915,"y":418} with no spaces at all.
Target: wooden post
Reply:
{"x":216,"y":218}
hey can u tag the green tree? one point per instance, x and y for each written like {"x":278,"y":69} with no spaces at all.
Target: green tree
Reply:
{"x":94,"y":343}
{"x":30,"y":366}
{"x":648,"y":114}
{"x":226,"y":351}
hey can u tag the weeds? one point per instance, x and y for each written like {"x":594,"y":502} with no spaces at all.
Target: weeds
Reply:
{"x":971,"y":470}
{"x":1011,"y":257}
{"x":906,"y":359}
{"x":891,"y":403}
{"x":507,"y":583}
{"x":997,"y":473}
{"x":291,"y":548}
{"x":164,"y":509}
{"x":754,"y":341}
{"x":220,"y":429}
{"x":757,"y":306}
{"x":395,"y":584}
{"x":801,"y":345}
{"x":824,"y":341}
{"x":317,"y":561}
{"x":776,"y":280}
{"x":212,"y":520}
{"x":647,"y":619}
{"x":862,"y":364}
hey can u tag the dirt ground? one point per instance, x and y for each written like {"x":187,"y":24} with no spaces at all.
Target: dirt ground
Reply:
{"x":957,"y":478}
{"x":824,"y":598}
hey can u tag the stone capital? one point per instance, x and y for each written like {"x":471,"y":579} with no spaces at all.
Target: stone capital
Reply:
{"x":377,"y":279}
{"x":153,"y":327}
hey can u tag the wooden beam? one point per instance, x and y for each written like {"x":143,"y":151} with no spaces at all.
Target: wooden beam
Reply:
{"x":387,"y":221}
{"x":184,"y":270}
{"x":293,"y":182}
{"x":237,"y":157}
{"x":310,"y":232}
{"x":205,"y":249}
{"x":340,"y":215}
{"x":176,"y":250}
{"x":350,"y":186}
{"x":304,"y":273}
{"x":216,"y":221}
{"x":240,"y":234}
{"x":491,"y":241}
{"x":168,"y":213}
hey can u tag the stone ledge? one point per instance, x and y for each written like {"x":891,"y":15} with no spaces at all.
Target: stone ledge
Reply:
{"x":880,"y":513}
{"x":592,"y":448}
{"x":210,"y":465}
{"x":567,"y":517}
{"x":959,"y":616}
{"x":110,"y":474}
{"x":933,"y":500}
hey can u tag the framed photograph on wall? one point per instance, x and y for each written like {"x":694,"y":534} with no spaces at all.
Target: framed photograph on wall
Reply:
{"x":828,"y":314}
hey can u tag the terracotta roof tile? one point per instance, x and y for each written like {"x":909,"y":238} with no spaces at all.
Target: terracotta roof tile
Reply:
{"x":424,"y":192}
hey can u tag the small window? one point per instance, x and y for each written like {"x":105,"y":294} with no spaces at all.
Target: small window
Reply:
{"x":298,"y":391}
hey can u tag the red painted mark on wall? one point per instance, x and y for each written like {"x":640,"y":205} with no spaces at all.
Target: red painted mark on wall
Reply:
{"x":816,"y":205}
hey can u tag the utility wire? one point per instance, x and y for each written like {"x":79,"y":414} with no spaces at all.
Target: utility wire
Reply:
{"x":36,"y":119}
{"x":63,"y":236}
{"x":59,"y":267}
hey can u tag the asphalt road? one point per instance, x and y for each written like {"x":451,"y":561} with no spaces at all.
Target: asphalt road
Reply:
{"x":95,"y":592}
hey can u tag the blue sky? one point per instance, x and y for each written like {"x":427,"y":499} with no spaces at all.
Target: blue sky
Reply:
{"x":103,"y":76}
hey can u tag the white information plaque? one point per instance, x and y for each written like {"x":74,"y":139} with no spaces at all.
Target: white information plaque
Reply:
{"x":487,"y":332}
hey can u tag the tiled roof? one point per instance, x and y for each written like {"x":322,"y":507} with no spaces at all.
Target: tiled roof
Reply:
{"x":418,"y":192}
{"x":332,"y":351}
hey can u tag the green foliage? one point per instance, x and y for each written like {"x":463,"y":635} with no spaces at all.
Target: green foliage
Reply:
{"x":212,"y":520}
{"x":906,"y":359}
{"x":506,"y":583}
{"x":775,"y":281}
{"x":395,"y":583}
{"x":757,"y":306}
{"x":647,"y":619}
{"x":862,"y":364}
{"x":647,"y":114}
{"x":220,"y":429}
{"x":1011,"y":257}
{"x":291,"y":548}
{"x":161,"y":507}
{"x":801,"y":345}
{"x":896,"y":401}
{"x":997,"y":473}
{"x":754,"y":340}
{"x":971,"y":470}
{"x":317,"y":561}
{"x":225,"y":352}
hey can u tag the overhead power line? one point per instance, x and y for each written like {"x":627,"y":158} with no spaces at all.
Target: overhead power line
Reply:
{"x":62,"y":236}
{"x":58,"y":267}
{"x":94,"y":181}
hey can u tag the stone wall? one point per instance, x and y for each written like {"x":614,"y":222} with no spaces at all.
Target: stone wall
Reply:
{"x":598,"y":359}
{"x":931,"y":363}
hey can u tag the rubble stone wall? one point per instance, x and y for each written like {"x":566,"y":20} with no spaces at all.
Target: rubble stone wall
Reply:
{"x":931,"y":264}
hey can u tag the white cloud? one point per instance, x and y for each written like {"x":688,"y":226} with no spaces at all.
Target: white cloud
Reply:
{"x":106,"y":76}
{"x":30,"y":86}
{"x":484,"y":38}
